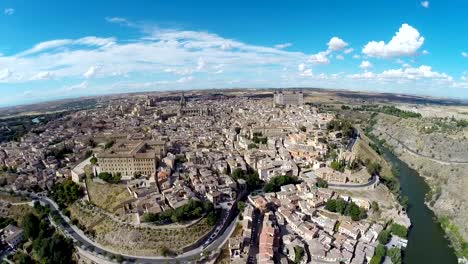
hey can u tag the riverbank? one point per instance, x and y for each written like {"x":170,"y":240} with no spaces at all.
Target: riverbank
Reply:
{"x":426,"y":227}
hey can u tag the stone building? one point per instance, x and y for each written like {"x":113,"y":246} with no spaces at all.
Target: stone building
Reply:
{"x":288,"y":99}
{"x":132,"y":157}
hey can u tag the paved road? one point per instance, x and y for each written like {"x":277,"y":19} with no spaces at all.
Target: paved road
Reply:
{"x":409,"y":150}
{"x":78,"y":235}
{"x":373,"y":180}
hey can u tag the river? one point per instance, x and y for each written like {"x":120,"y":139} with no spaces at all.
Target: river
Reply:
{"x":426,"y":240}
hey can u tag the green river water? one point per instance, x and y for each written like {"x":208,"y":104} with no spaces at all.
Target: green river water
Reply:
{"x":427,"y":243}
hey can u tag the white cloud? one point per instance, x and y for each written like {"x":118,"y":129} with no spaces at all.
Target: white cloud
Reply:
{"x":365,"y":65}
{"x":91,"y":72}
{"x":464,"y":54}
{"x":406,"y":42}
{"x":95,"y":41}
{"x":46,"y":45}
{"x":185,"y":79}
{"x":60,"y":43}
{"x":320,"y":58}
{"x":283,"y":45}
{"x":349,"y":50}
{"x":356,"y":56}
{"x":425,"y":4}
{"x":336,"y":43}
{"x":9,"y":11}
{"x":79,"y":86}
{"x":5,"y":74}
{"x":200,"y":64}
{"x":425,"y":52}
{"x":43,"y":76}
{"x":303,"y":70}
{"x":339,"y":57}
{"x":409,"y":74}
{"x":119,"y":20}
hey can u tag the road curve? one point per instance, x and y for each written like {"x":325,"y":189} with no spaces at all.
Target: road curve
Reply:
{"x":78,"y":235}
{"x":409,"y":150}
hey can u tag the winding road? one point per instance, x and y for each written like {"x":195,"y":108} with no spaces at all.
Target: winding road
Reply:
{"x":78,"y":235}
{"x":412,"y":152}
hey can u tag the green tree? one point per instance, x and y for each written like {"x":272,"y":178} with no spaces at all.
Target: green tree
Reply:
{"x":54,"y":250}
{"x":321,"y":183}
{"x":241,"y":206}
{"x":299,"y":254}
{"x":93,"y":160}
{"x":340,"y":205}
{"x":331,"y":205}
{"x":395,"y":255}
{"x":376,"y":260}
{"x":380,"y":250}
{"x":274,"y":185}
{"x":399,"y":230}
{"x":238,"y":174}
{"x":31,"y":226}
{"x":66,"y":193}
{"x":384,"y":237}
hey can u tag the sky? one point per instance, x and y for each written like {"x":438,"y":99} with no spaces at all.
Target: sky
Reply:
{"x":63,"y":49}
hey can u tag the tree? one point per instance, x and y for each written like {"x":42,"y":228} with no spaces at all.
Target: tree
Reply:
{"x":375,"y":206}
{"x":331,"y":205}
{"x":395,"y":255}
{"x":252,"y":146}
{"x":54,"y":250}
{"x":384,"y":237}
{"x":380,"y":250}
{"x":399,"y":230}
{"x":241,"y":206}
{"x":110,"y":178}
{"x":31,"y":226}
{"x":340,"y":205}
{"x":21,"y":258}
{"x":321,"y":183}
{"x":299,"y":254}
{"x":238,"y":174}
{"x":376,"y":260}
{"x":374,"y":168}
{"x":93,"y":160}
{"x":109,"y":144}
{"x":66,"y":193}
{"x":276,"y":182}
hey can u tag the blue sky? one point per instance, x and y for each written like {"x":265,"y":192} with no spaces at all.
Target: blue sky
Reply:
{"x":59,"y":49}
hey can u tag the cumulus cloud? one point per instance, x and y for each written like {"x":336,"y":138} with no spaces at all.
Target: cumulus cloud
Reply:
{"x":283,"y":45}
{"x":365,"y":65}
{"x":303,"y":70}
{"x":464,"y":54}
{"x":9,"y":11}
{"x":336,"y":43}
{"x":425,"y":4}
{"x":320,"y":58}
{"x":91,"y":72}
{"x":349,"y":50}
{"x":408,"y":73}
{"x":339,"y":57}
{"x":425,"y":52}
{"x":356,"y":56}
{"x":406,"y":42}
